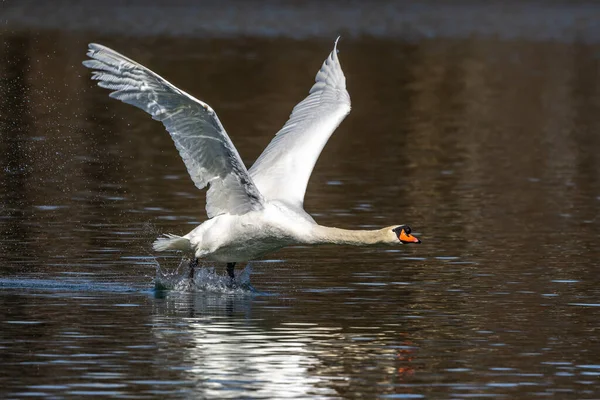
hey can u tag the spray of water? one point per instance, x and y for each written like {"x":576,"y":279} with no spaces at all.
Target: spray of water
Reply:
{"x":206,"y":280}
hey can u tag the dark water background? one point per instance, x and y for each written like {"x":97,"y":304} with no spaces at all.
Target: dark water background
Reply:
{"x":481,"y":131}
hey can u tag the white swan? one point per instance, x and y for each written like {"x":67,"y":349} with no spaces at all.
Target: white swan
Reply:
{"x":251,"y":212}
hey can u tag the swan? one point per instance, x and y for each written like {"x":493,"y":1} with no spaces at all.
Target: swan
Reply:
{"x":251,"y":212}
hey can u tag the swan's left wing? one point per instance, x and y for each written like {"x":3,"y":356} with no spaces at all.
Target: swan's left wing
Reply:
{"x":210,"y":157}
{"x":283,"y":169}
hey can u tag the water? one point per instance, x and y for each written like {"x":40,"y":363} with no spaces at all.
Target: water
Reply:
{"x":486,"y":144}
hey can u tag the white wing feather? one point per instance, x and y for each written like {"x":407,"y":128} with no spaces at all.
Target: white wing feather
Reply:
{"x":283,"y":169}
{"x":208,"y":153}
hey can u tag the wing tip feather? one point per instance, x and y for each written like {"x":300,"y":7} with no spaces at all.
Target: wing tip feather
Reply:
{"x":330,"y":73}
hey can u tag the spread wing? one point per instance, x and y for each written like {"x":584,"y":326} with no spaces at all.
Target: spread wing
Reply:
{"x":283,"y":169}
{"x":208,"y":153}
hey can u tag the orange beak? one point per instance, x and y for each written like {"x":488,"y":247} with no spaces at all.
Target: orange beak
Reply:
{"x":408,"y":238}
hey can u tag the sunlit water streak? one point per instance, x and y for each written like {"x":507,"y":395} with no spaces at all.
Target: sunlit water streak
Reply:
{"x":66,"y":285}
{"x":312,"y":18}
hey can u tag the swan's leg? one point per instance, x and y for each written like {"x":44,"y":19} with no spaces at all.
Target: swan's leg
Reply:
{"x":230,"y":267}
{"x":193,"y":265}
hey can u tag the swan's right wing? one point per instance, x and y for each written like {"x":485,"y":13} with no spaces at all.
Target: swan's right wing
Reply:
{"x":210,"y":157}
{"x":283,"y":169}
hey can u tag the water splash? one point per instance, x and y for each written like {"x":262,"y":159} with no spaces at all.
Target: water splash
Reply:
{"x":205,"y":280}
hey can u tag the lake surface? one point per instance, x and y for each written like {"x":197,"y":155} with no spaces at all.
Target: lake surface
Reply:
{"x":485,"y":143}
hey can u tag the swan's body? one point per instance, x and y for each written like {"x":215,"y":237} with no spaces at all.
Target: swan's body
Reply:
{"x":251,"y":212}
{"x":236,"y":238}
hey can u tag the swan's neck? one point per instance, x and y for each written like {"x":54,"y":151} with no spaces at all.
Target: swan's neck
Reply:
{"x":327,"y":235}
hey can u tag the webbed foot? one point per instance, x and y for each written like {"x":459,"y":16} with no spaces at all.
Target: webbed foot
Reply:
{"x":230,"y":272}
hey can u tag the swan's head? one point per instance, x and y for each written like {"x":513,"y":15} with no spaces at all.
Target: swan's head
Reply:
{"x":402,"y":234}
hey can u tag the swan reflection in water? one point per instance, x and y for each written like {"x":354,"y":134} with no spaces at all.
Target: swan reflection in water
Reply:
{"x":233,"y":346}
{"x":229,"y":354}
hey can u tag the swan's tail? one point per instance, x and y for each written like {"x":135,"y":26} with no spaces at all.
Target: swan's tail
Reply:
{"x":171,"y":242}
